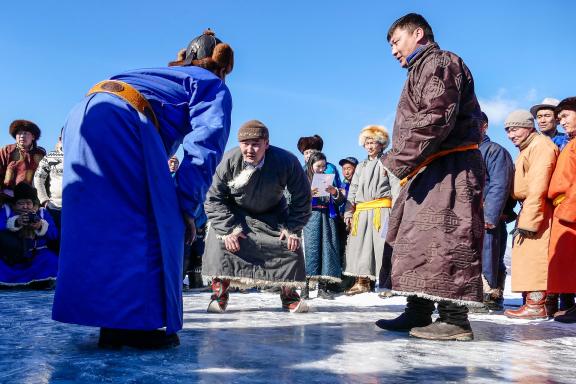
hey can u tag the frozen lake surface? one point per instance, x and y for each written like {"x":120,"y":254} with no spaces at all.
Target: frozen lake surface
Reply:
{"x":255,"y":342}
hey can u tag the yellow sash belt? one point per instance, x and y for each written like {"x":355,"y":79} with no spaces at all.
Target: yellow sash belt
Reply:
{"x":558,"y":200}
{"x":384,"y":202}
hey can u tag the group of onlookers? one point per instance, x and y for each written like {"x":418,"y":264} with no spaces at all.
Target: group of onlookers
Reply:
{"x":31,"y":200}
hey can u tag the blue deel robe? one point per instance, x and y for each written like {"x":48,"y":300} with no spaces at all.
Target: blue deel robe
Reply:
{"x":122,"y":226}
{"x":497,"y":190}
{"x":43,"y":265}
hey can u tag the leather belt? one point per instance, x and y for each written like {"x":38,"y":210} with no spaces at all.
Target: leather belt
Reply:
{"x":129,"y":94}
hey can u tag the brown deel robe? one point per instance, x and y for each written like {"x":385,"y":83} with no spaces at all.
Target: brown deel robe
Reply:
{"x":436,"y":228}
{"x":534,"y":167}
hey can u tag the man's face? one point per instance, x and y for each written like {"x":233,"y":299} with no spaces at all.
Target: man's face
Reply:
{"x":546,"y":120}
{"x":518,"y":134}
{"x":373,"y":147}
{"x":307,"y":153}
{"x":173,"y":165}
{"x":404,"y":43}
{"x":253,"y":150}
{"x":24,"y":139}
{"x":568,"y":121}
{"x":24,"y":206}
{"x":348,"y":171}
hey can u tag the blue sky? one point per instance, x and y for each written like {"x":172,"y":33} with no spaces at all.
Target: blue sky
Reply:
{"x":302,"y":67}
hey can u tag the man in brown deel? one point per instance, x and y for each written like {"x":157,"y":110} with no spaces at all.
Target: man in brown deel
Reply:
{"x":436,"y":228}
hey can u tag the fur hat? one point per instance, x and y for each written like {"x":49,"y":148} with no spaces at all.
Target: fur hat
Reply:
{"x":23,"y":190}
{"x":568,"y":103}
{"x":24,"y":125}
{"x":206,"y":51}
{"x":253,"y":129}
{"x":310,"y":142}
{"x":375,"y":132}
{"x":519,"y":118}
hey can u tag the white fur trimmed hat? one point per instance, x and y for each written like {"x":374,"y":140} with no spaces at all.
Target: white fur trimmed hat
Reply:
{"x":375,"y":132}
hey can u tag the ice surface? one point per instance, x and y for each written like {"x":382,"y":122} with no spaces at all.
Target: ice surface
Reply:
{"x":255,"y":342}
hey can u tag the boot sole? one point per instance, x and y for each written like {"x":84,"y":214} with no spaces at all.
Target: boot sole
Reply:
{"x":467,"y":336}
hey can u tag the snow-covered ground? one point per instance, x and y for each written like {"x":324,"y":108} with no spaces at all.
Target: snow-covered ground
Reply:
{"x":255,"y":342}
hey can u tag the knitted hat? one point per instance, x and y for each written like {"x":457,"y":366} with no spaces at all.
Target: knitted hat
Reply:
{"x":547,"y":103}
{"x":374,"y":132}
{"x":568,"y":103}
{"x":519,"y":118}
{"x":23,"y":191}
{"x":24,"y":125}
{"x":310,"y":142}
{"x":253,"y":129}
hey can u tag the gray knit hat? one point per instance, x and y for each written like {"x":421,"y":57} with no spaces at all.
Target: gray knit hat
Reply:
{"x":519,"y":118}
{"x":253,"y":129}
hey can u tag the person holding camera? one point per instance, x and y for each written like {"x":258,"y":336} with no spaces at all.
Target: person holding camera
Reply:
{"x":25,"y":229}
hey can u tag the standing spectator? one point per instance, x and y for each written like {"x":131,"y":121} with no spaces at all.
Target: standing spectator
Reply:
{"x":307,"y":145}
{"x":547,"y":121}
{"x":348,"y":166}
{"x":530,"y":239}
{"x":124,"y":218}
{"x":48,"y":183}
{"x":497,"y":190}
{"x":562,"y":192}
{"x":367,"y":211}
{"x":254,"y":237}
{"x":321,"y":241}
{"x":25,"y":228}
{"x":434,"y":241}
{"x":19,"y":161}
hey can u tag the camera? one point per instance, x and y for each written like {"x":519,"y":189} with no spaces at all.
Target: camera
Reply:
{"x":32,"y":217}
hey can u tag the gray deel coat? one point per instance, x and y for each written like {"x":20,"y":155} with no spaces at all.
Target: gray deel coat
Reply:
{"x":253,"y":201}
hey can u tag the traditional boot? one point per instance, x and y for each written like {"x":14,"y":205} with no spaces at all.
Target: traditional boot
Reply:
{"x":551,"y":304}
{"x":362,"y":285}
{"x":117,"y":338}
{"x":323,"y":291}
{"x":534,"y":309}
{"x":566,"y":301}
{"x":440,"y":330}
{"x":291,"y":301}
{"x":305,"y":292}
{"x":220,"y":296}
{"x":568,"y":317}
{"x":418,"y":313}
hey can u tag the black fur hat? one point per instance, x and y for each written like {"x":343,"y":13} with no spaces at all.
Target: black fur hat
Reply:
{"x":310,"y":142}
{"x":24,"y":190}
{"x":24,"y":125}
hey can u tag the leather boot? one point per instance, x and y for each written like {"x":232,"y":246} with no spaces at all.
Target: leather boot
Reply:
{"x":551,"y":304}
{"x":440,"y":330}
{"x":291,"y":301}
{"x":323,"y":291}
{"x":534,"y":309}
{"x":305,"y":292}
{"x":568,"y":316}
{"x":418,"y":313}
{"x":362,"y":285}
{"x":220,"y":296}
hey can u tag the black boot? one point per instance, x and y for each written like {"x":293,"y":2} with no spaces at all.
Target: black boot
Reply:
{"x":418,"y":313}
{"x":323,"y":291}
{"x":111,"y":338}
{"x":305,"y":293}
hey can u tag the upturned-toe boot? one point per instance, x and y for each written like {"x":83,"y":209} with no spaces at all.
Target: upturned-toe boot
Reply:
{"x":534,"y":309}
{"x":362,"y":285}
{"x":220,"y":296}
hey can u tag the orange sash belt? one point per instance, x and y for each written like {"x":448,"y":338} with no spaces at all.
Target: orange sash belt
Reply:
{"x":129,"y":94}
{"x":434,"y":157}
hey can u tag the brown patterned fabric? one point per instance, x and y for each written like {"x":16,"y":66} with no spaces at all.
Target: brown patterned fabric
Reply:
{"x":434,"y":241}
{"x":17,"y":165}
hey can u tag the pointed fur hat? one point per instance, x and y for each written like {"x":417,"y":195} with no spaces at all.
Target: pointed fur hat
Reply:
{"x":375,"y":132}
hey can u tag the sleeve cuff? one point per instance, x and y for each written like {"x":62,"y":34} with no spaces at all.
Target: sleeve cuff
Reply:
{"x":42,"y":231}
{"x":11,"y":224}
